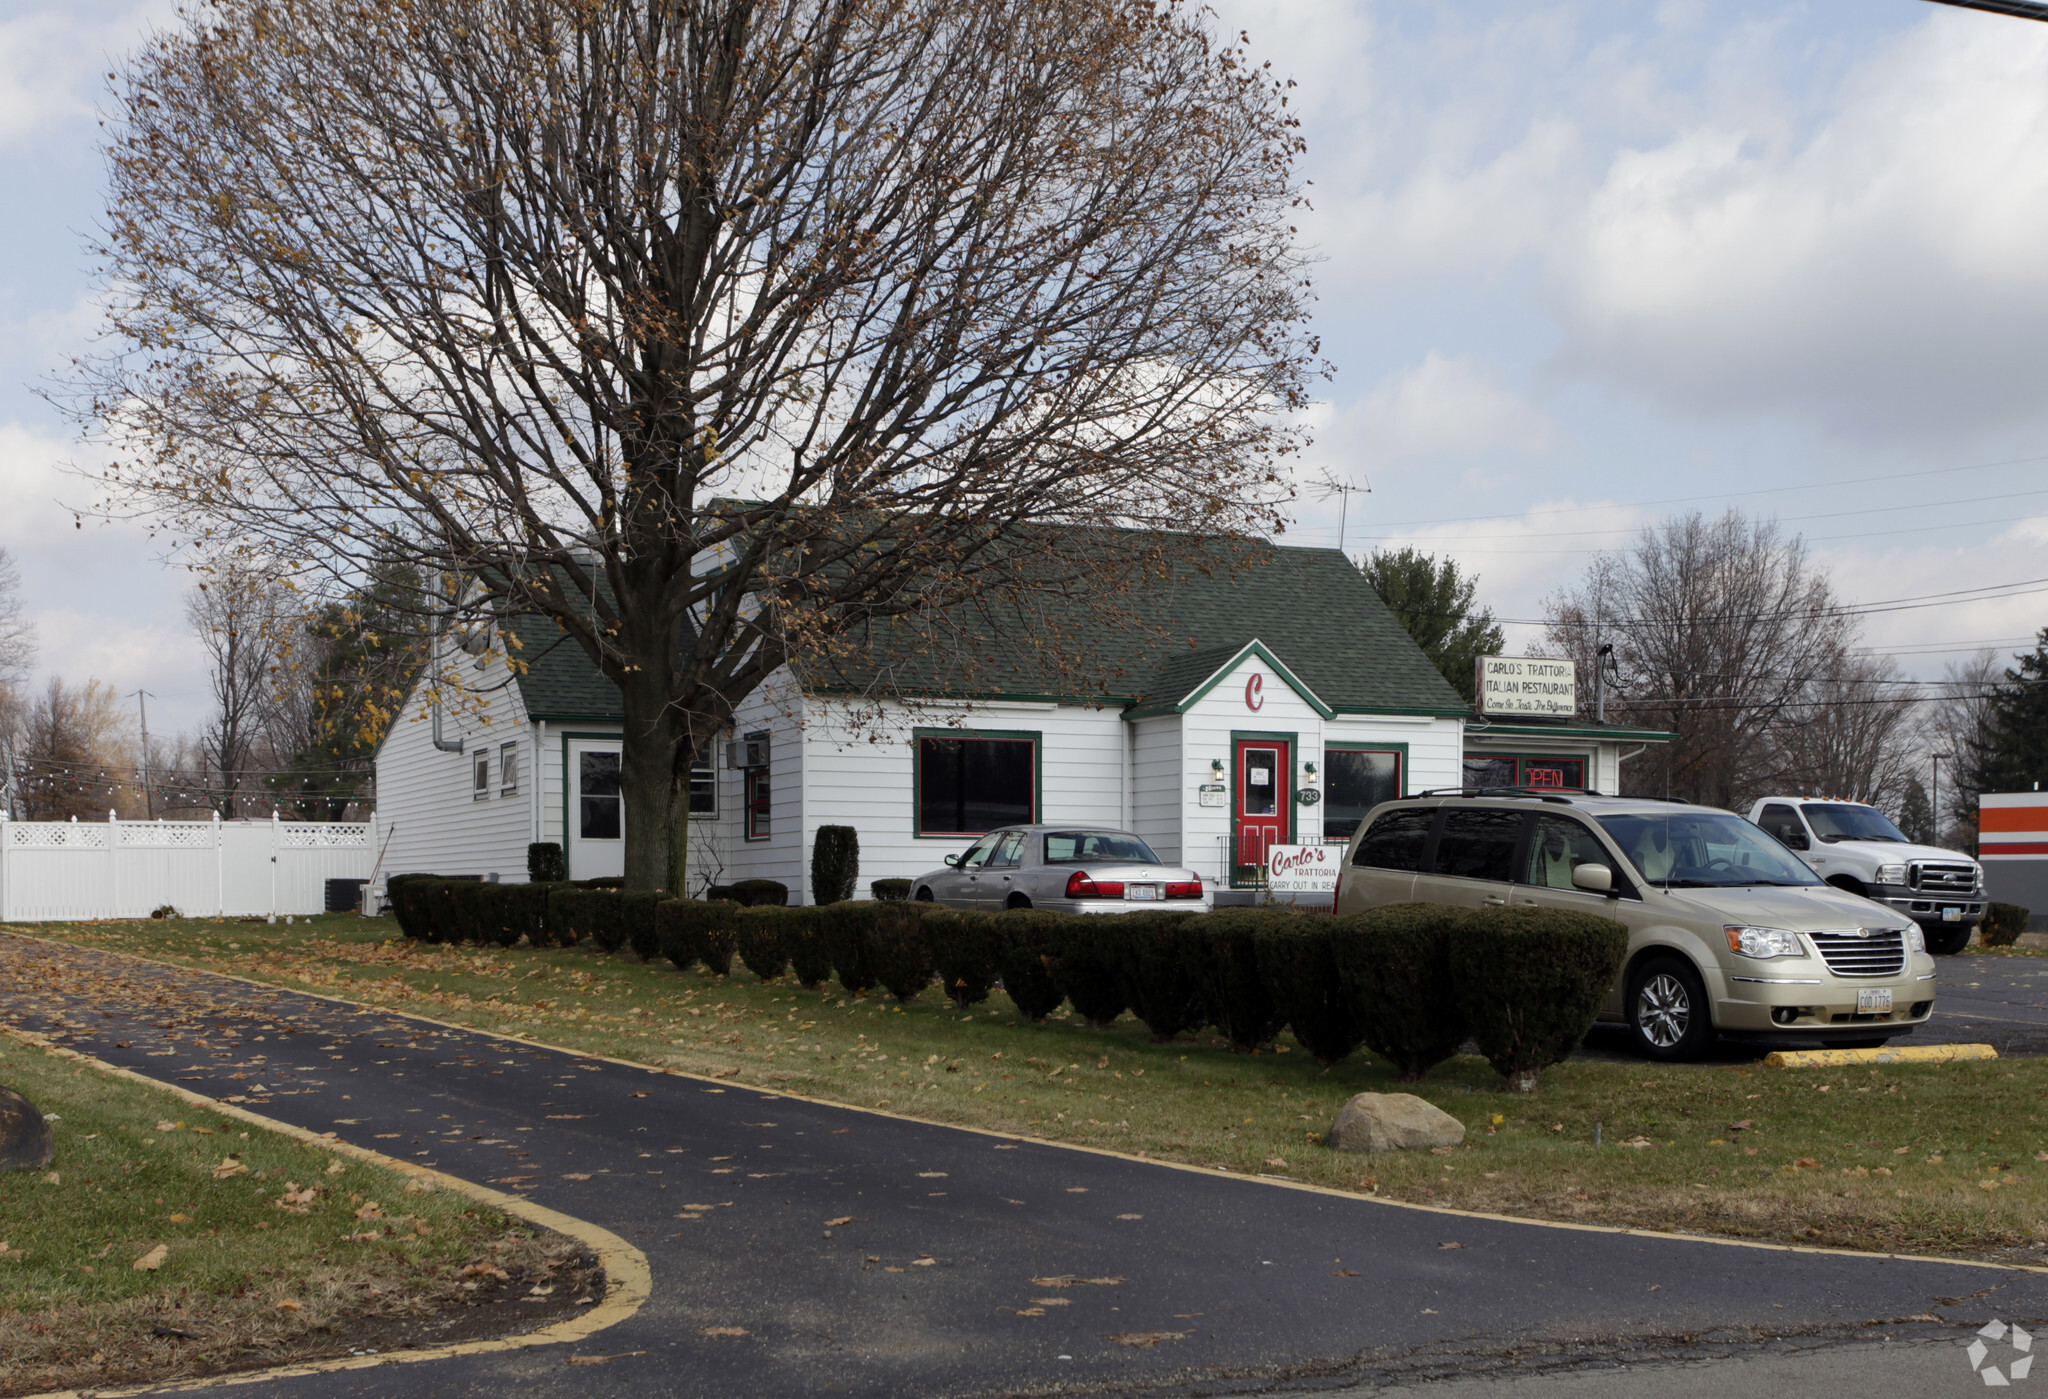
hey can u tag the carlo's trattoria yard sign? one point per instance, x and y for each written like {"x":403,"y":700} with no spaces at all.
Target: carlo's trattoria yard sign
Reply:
{"x":1525,"y":685}
{"x":1303,"y":869}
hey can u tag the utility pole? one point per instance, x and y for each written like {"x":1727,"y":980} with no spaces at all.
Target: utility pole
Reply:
{"x":148,"y":797}
{"x":1934,"y":798}
{"x":1601,"y":651}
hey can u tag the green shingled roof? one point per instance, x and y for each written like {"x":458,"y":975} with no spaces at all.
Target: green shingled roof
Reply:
{"x":1311,"y":608}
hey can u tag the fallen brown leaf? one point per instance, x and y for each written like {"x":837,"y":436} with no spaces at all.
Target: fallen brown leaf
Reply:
{"x":840,"y":1222}
{"x":1345,"y":1273}
{"x":152,"y":1260}
{"x":1450,"y":1245}
{"x":1029,"y":1311}
{"x":1147,"y":1338}
{"x":725,"y":1331}
{"x":232,"y":1166}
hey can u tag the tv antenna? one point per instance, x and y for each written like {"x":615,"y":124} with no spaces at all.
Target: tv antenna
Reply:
{"x":1329,"y":486}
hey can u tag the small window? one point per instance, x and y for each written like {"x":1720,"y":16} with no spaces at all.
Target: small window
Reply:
{"x":1539,"y":773}
{"x":1784,"y":824}
{"x":1008,"y":853}
{"x":978,"y":853}
{"x":481,"y":787}
{"x":968,"y":785}
{"x":759,"y":804}
{"x":600,"y":816}
{"x":1261,"y":781}
{"x":1395,"y":841}
{"x":1560,"y":846}
{"x":1479,"y":844}
{"x":1357,"y":780}
{"x":508,"y":770}
{"x":703,"y":785}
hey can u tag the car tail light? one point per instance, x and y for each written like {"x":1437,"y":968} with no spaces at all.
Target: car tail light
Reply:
{"x":1192,"y":889}
{"x":1080,"y":886}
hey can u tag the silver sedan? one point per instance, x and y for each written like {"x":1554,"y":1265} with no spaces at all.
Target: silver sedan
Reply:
{"x":1068,"y":869}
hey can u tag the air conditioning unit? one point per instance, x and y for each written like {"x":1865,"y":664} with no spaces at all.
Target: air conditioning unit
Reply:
{"x":747,"y":752}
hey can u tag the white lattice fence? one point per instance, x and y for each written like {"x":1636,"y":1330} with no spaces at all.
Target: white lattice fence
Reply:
{"x":57,"y":871}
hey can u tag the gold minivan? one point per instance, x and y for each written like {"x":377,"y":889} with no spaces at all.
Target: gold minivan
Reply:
{"x":1730,"y":933}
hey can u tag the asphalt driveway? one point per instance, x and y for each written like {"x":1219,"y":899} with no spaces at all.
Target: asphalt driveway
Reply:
{"x":960,"y":1263}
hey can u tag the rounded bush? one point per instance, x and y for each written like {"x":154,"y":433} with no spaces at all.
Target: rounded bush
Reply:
{"x":889,"y":889}
{"x":1297,"y":961}
{"x":963,"y":944}
{"x":2003,"y":924}
{"x":810,"y":959}
{"x":761,"y":935}
{"x":545,"y":863}
{"x":1086,"y":967}
{"x":1224,"y":960}
{"x":1530,"y":982}
{"x":693,"y":930}
{"x":835,"y":864}
{"x":1157,"y":973}
{"x":1394,"y":964}
{"x":755,"y":893}
{"x":1027,"y":938}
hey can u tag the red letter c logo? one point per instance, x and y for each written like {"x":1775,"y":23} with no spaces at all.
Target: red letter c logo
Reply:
{"x":1255,"y":691}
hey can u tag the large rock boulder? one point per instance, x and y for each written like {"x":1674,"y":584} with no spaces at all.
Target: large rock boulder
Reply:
{"x":25,"y":1140}
{"x":1392,"y":1122}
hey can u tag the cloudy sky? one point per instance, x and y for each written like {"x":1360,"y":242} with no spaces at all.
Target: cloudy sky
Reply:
{"x":1584,"y":264}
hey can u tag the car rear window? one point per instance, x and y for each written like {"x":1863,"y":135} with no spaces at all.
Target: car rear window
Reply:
{"x":1479,"y":844}
{"x":1395,"y":840}
{"x":1073,"y":847}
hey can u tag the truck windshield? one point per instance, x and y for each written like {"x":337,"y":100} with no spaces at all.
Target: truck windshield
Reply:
{"x":1833,"y":821}
{"x":1704,"y":850}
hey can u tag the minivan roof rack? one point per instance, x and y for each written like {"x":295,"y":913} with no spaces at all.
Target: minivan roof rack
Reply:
{"x":1501,"y":792}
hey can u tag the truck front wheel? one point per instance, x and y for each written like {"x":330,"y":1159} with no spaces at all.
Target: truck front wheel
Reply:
{"x":1667,"y":1010}
{"x":1948,"y":939}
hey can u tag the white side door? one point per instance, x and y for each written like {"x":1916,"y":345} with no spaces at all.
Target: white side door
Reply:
{"x":597,"y":814}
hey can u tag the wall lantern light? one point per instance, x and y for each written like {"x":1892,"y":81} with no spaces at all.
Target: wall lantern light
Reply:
{"x":1309,"y":773}
{"x":1216,"y":769}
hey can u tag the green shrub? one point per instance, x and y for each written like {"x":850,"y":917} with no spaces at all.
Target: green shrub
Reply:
{"x":637,"y":922}
{"x":601,"y":915}
{"x":964,"y":946}
{"x":757,"y":893}
{"x":408,"y":904}
{"x":552,"y":933}
{"x":842,"y":928}
{"x":608,"y":881}
{"x":1394,"y":964}
{"x":1225,"y":963}
{"x":890,"y":889}
{"x":508,"y":912}
{"x":835,"y":864}
{"x":1026,"y":938}
{"x":874,"y":944}
{"x":1531,"y":980}
{"x":452,"y":910}
{"x":761,"y":935}
{"x":810,"y":958}
{"x":1297,"y":961}
{"x":2003,"y":924}
{"x":692,"y":931}
{"x":720,"y":894}
{"x":545,"y":863}
{"x":1086,"y":966}
{"x":1157,"y":972}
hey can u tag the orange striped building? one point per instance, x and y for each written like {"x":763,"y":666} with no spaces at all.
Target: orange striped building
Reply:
{"x":2012,"y":843}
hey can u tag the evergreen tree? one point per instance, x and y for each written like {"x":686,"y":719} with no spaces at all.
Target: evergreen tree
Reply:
{"x":1434,"y":603}
{"x":1916,"y":814}
{"x":2009,"y":751}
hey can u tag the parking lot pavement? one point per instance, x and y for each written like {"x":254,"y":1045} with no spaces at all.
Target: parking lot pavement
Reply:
{"x":801,"y":1248}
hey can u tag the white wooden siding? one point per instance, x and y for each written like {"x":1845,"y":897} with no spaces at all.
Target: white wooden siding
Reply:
{"x":424,"y":796}
{"x":1159,"y":794}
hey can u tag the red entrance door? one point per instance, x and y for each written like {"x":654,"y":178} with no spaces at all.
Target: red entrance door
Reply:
{"x":1264,"y":794}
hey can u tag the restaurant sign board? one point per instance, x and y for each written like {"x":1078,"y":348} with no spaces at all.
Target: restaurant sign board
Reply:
{"x":1528,"y":685}
{"x":1303,"y":869}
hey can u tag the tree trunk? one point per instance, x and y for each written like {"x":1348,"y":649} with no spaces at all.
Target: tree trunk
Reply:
{"x":679,"y":819}
{"x":646,"y":781}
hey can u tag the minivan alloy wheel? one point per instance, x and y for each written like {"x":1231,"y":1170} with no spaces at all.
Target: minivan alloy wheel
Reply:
{"x":1663,"y":1010}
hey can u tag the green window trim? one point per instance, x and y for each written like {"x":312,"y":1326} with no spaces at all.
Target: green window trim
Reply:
{"x":1036,"y":737}
{"x":1521,"y":757}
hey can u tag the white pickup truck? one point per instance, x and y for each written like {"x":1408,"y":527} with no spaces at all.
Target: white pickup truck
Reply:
{"x":1856,"y":847}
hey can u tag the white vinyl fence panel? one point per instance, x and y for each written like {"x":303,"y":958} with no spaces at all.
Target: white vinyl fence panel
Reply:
{"x":72,"y":870}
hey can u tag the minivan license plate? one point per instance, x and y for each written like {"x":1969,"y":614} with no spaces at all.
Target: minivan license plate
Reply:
{"x":1873,"y":1000}
{"x":1141,"y":891}
{"x":1951,"y":915}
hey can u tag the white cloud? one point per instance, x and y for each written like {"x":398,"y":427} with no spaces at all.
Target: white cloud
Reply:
{"x":1882,"y":275}
{"x":54,"y":60}
{"x":1444,"y":405}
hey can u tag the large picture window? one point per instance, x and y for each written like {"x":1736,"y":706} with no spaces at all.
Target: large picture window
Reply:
{"x":968,"y":784}
{"x":1356,"y":781}
{"x":1542,"y":772}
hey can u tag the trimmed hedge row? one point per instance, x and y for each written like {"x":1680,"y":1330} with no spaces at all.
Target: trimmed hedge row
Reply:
{"x":1412,"y":982}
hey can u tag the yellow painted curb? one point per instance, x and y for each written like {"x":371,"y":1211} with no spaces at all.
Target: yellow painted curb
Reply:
{"x":1279,"y":1182}
{"x":1904,"y":1054}
{"x":628,"y":1280}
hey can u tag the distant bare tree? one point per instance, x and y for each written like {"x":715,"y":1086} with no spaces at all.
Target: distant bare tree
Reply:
{"x":1719,"y":627}
{"x":1851,"y":734}
{"x":251,"y":631}
{"x":862,"y":301}
{"x":1955,"y":726}
{"x":78,"y":754}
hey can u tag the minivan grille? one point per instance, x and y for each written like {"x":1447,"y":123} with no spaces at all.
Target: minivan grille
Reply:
{"x":1937,"y":878}
{"x":1862,"y":951}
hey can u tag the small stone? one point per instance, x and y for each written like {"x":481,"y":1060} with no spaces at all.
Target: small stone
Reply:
{"x":1393,"y":1122}
{"x":26,"y":1143}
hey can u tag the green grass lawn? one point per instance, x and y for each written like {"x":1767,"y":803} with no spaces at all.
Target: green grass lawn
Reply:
{"x":157,"y":1218}
{"x":1948,"y":1158}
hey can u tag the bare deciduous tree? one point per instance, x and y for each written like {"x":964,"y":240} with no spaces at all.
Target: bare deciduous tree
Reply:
{"x":1718,"y":627}
{"x":78,"y":754}
{"x":715,"y":330}
{"x":1849,"y":735}
{"x":249,"y":627}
